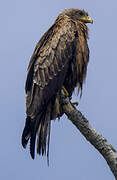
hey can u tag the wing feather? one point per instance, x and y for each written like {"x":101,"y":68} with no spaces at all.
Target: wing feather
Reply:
{"x":49,"y":62}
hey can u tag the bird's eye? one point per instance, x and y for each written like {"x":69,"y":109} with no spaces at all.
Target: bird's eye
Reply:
{"x":81,"y":13}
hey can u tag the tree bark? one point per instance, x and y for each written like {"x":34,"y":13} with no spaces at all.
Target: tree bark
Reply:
{"x":97,"y":140}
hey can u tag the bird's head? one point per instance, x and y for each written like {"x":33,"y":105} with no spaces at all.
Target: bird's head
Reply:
{"x":78,"y":15}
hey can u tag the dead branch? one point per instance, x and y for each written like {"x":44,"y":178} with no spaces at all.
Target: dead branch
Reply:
{"x":97,"y":140}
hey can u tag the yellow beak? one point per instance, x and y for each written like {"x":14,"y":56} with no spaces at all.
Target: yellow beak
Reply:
{"x":86,"y":19}
{"x":89,"y":20}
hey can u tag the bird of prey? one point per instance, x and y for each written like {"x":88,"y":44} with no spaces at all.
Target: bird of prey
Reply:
{"x":59,"y":61}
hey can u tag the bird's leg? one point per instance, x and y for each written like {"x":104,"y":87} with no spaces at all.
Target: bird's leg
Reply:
{"x":65,"y":91}
{"x":67,"y":94}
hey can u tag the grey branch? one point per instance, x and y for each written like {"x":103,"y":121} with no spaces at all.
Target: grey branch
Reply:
{"x":97,"y":140}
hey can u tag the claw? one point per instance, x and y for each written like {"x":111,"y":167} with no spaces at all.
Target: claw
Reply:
{"x":75,"y":103}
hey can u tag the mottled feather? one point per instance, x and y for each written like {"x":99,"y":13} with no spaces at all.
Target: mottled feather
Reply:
{"x":59,"y":59}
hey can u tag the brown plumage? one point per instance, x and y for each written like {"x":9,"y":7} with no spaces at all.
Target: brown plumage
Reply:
{"x":59,"y":59}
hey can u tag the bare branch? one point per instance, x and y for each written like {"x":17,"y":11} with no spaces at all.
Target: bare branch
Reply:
{"x":97,"y":140}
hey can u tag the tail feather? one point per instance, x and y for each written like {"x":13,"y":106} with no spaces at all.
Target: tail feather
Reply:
{"x":43,"y":143}
{"x":35,"y":123}
{"x":32,"y":139}
{"x":45,"y":137}
{"x":42,"y":134}
{"x":48,"y":142}
{"x":40,"y":143}
{"x":41,"y":125}
{"x":26,"y":132}
{"x":39,"y":140}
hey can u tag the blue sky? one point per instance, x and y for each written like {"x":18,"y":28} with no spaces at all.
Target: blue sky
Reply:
{"x":71,"y":156}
